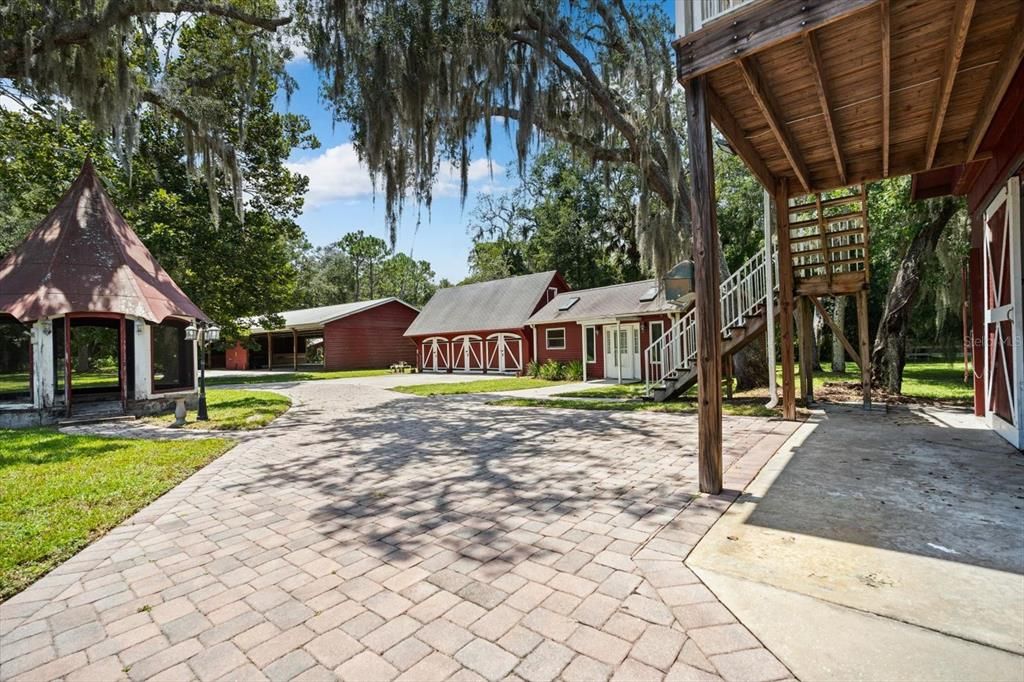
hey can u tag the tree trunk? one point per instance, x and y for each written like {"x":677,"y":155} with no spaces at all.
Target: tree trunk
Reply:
{"x":750,"y":365}
{"x":82,"y":363}
{"x":838,"y":352}
{"x":818,"y":325}
{"x":890,"y":351}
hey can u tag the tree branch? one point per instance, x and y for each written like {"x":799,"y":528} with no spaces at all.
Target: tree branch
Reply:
{"x":82,"y":30}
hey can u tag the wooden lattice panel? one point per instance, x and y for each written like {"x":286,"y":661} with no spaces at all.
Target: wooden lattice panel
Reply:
{"x":828,"y":239}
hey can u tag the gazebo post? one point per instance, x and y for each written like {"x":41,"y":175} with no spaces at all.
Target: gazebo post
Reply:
{"x":122,"y":369}
{"x":67,"y":365}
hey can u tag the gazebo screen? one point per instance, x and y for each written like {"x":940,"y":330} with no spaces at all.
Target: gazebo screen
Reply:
{"x":15,"y":361}
{"x":172,"y":357}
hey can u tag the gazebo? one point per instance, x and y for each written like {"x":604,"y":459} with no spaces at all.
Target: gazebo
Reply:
{"x":89,"y":321}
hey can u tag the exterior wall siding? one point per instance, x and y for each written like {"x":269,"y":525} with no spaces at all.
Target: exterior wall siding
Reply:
{"x":371,"y":339}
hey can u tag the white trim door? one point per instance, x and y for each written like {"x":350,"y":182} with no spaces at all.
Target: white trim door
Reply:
{"x":436,"y":354}
{"x":469,"y":353}
{"x":1002,"y":309}
{"x":622,"y":345}
{"x":504,"y":353}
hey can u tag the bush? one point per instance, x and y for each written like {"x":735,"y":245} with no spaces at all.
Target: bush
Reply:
{"x":552,"y":371}
{"x":533,"y":369}
{"x":574,"y":371}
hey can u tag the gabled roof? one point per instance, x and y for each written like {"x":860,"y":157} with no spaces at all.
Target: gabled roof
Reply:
{"x":83,"y":257}
{"x":498,"y":304}
{"x":318,"y":317}
{"x":617,"y":300}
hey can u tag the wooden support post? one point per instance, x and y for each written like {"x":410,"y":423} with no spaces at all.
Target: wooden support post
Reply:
{"x":295,"y":350}
{"x":270,"y":351}
{"x":122,"y":356}
{"x":706,"y":274}
{"x":67,"y":365}
{"x":727,"y":366}
{"x":806,"y":350}
{"x":854,"y":355}
{"x":865,"y":346}
{"x":785,"y":299}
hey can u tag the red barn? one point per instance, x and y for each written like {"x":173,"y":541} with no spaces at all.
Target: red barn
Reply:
{"x":482,"y":327}
{"x":608,"y":329}
{"x":361,"y":335}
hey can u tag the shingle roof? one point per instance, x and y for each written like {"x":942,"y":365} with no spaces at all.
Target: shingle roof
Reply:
{"x":83,"y":257}
{"x":617,"y":300}
{"x":316,"y":317}
{"x":498,"y":304}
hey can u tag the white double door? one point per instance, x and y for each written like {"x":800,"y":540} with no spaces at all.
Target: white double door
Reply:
{"x":622,"y":350}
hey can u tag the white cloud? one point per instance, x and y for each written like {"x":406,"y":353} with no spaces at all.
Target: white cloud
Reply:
{"x":334,"y":174}
{"x":337,"y":174}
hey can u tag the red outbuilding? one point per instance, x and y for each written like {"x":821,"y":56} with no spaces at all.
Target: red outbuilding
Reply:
{"x":361,"y":335}
{"x":482,"y":327}
{"x":608,"y":329}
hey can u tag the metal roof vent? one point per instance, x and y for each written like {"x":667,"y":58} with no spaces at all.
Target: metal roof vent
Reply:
{"x":568,"y":303}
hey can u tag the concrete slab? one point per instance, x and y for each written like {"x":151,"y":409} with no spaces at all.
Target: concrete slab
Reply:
{"x":910,"y":515}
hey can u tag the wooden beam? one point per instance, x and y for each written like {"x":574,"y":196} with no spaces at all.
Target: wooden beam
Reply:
{"x":865,"y":346}
{"x":854,"y":355}
{"x":998,"y":83}
{"x":753,"y":28}
{"x":818,"y":71}
{"x":769,"y":108}
{"x":886,"y":84}
{"x":962,"y":13}
{"x":706,"y":275}
{"x":726,"y":123}
{"x":785,"y":299}
{"x":806,"y":339}
{"x":295,"y":350}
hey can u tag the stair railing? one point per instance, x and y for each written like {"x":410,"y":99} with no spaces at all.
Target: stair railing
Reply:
{"x":742,"y":295}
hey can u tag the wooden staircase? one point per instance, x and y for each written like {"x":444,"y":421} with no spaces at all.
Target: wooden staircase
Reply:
{"x":684,"y":377}
{"x":670,"y":361}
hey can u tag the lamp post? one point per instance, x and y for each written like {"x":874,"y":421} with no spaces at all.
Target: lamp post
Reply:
{"x":203,"y":333}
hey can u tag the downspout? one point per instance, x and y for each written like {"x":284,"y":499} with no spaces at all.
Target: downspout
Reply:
{"x":769,"y":299}
{"x":583,"y":329}
{"x":618,"y":347}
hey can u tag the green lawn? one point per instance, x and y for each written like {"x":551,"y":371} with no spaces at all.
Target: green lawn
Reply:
{"x":295,"y":376}
{"x":482,"y":386}
{"x":234,"y":410}
{"x":18,"y":382}
{"x":58,"y":493}
{"x":610,"y":391}
{"x":744,"y":408}
{"x":941,"y":381}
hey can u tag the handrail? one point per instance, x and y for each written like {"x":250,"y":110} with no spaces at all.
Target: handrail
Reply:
{"x":743,"y":292}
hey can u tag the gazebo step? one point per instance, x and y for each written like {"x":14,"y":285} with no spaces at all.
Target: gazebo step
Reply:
{"x":94,"y":419}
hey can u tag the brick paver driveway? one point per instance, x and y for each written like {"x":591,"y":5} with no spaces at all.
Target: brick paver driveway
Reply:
{"x":367,"y":535}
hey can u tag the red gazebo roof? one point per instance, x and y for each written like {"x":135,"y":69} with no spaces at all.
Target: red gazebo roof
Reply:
{"x":83,"y":257}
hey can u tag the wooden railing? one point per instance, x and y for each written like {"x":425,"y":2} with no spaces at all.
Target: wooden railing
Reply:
{"x":693,"y":14}
{"x":829,"y":241}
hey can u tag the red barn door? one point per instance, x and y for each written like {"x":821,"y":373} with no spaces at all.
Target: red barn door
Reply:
{"x":1003,"y":299}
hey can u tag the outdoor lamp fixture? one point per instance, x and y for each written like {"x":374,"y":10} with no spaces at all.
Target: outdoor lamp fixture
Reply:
{"x":203,"y":333}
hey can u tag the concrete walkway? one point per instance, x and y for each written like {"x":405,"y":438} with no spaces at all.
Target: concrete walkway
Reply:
{"x":368,"y":535}
{"x":886,"y":545}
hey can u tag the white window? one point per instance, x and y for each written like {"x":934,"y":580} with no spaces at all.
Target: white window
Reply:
{"x":657,"y":331}
{"x":552,"y":292}
{"x":591,"y":334}
{"x":554,"y":339}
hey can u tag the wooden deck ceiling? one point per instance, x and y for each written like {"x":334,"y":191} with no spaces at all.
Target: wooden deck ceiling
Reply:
{"x":828,"y":93}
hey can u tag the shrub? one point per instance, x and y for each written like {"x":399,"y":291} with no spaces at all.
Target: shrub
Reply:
{"x":552,"y":371}
{"x":574,"y":371}
{"x":533,"y":369}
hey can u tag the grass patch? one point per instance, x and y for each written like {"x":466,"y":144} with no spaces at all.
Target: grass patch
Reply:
{"x":234,"y":410}
{"x":611,"y":391}
{"x":482,"y":386}
{"x":743,"y":408}
{"x":926,"y":381}
{"x":294,"y":376}
{"x":58,"y":492}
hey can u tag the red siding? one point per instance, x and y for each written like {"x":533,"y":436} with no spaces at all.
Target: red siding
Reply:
{"x":371,"y":339}
{"x":573,"y":343}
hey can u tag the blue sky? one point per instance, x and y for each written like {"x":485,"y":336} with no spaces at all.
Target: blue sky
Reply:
{"x":341,"y":200}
